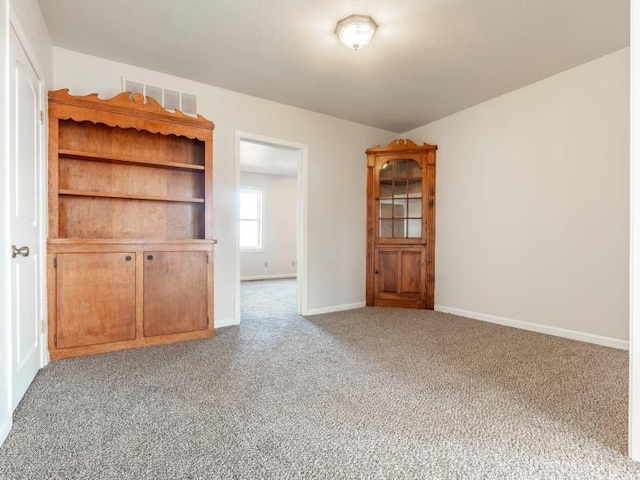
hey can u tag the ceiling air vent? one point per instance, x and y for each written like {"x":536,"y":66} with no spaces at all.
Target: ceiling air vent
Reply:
{"x":169,"y":99}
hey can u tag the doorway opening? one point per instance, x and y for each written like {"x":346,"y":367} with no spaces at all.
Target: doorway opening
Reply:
{"x":271,"y":192}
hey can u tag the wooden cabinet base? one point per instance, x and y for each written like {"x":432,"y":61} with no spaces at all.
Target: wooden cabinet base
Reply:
{"x":400,"y":303}
{"x":105,"y":297}
{"x":61,"y":353}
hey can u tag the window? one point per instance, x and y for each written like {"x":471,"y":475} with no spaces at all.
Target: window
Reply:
{"x":250,"y":219}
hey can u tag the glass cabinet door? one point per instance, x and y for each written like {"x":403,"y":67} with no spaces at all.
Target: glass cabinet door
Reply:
{"x":400,"y":199}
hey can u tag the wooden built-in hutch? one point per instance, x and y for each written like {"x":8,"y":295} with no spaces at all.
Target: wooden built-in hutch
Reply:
{"x":401,"y":194}
{"x":130,"y":249}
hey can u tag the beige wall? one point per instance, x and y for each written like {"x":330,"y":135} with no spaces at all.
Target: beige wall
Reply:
{"x":532,"y":202}
{"x":336,"y":171}
{"x":279,"y":227}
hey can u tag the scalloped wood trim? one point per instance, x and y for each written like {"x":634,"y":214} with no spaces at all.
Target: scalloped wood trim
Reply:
{"x":129,"y":103}
{"x":140,"y":122}
{"x":401,"y":145}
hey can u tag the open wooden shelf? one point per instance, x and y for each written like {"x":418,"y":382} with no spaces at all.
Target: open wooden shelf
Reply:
{"x":84,"y":193}
{"x":128,"y":241}
{"x":98,"y":157}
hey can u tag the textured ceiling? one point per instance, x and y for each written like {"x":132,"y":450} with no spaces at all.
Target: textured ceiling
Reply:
{"x":429,"y":58}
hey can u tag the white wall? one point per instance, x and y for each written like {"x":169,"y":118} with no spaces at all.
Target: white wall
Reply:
{"x":336,"y":223}
{"x":634,"y":270}
{"x":532,"y":204}
{"x":279,"y":196}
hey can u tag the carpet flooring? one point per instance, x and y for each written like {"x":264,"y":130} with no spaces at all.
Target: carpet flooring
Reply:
{"x":368,"y":393}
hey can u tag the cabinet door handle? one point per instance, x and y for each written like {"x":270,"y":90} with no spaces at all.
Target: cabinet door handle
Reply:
{"x":149,"y":257}
{"x":128,"y":258}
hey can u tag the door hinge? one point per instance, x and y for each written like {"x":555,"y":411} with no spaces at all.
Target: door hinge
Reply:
{"x":42,"y":326}
{"x":55,"y":262}
{"x":55,"y":340}
{"x":41,"y":117}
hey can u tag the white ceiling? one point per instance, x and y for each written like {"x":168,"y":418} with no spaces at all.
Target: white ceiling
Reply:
{"x":429,"y":58}
{"x":268,"y":159}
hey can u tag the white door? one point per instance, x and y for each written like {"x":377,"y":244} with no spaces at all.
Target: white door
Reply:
{"x":24,"y":140}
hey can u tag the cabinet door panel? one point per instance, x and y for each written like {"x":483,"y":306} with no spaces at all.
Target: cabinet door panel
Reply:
{"x":175,"y":292}
{"x":388,"y":272}
{"x":411,"y":272}
{"x":400,"y":277}
{"x":96,"y":298}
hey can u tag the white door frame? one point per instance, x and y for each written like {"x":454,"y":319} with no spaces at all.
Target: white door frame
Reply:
{"x":634,"y":244}
{"x":6,"y":380}
{"x":301,"y":215}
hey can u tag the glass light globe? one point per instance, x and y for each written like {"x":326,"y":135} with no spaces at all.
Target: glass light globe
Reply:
{"x":356,"y":31}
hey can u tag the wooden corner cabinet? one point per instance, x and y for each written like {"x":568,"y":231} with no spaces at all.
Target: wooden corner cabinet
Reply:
{"x":401,"y":189}
{"x":130,"y":248}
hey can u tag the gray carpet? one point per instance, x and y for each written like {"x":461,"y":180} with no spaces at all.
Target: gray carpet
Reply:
{"x":369,"y":393}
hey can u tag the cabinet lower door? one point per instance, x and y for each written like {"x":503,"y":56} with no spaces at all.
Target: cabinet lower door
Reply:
{"x":400,"y":277}
{"x":95,"y":298}
{"x":175,"y":292}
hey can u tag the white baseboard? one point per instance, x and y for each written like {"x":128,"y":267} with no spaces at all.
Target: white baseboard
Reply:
{"x":334,"y":308}
{"x":5,"y":429}
{"x":227,"y":322}
{"x":268,"y":277}
{"x":536,"y":327}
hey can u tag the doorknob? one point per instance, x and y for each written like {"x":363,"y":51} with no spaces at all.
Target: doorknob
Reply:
{"x":23,"y":251}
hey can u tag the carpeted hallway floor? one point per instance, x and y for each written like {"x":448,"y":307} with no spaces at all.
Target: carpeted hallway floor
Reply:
{"x":263,"y":300}
{"x":368,"y":393}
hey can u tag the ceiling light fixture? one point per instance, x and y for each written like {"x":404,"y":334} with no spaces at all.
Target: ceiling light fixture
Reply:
{"x":356,"y":31}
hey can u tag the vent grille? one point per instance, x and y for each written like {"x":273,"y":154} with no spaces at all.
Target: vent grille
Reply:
{"x":172,"y":100}
{"x":135,"y":87}
{"x":169,"y":99}
{"x":188,"y":102}
{"x":155,"y":93}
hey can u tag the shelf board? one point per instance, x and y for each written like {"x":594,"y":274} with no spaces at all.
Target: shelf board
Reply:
{"x":129,"y":241}
{"x":95,"y":157}
{"x":83,"y":193}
